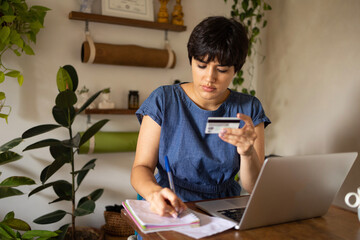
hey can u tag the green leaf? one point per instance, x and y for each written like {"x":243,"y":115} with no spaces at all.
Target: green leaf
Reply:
{"x":13,"y":74}
{"x":9,"y":192}
{"x":50,"y":217}
{"x":39,"y":130}
{"x":5,"y":116}
{"x":92,"y":131}
{"x":63,"y":80}
{"x":9,"y":215}
{"x":9,"y":156}
{"x":64,"y":116}
{"x":73,"y":76}
{"x":84,"y":171}
{"x":63,"y":190}
{"x":16,"y":181}
{"x":43,"y":143}
{"x":9,"y":145}
{"x":4,"y":34}
{"x":72,"y":143}
{"x":8,"y":18}
{"x":85,"y":208}
{"x":2,"y":78}
{"x":6,"y":232}
{"x":44,"y":186}
{"x":61,"y":151}
{"x":17,"y":224}
{"x":252,"y":92}
{"x":20,"y":80}
{"x":89,"y":101}
{"x":28,"y":50}
{"x":62,"y":231}
{"x":95,"y":195}
{"x":66,"y":99}
{"x":53,"y":168}
{"x":39,"y":233}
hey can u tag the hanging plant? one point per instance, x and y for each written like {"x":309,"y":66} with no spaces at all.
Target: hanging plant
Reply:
{"x":19,"y":26}
{"x":251,"y":13}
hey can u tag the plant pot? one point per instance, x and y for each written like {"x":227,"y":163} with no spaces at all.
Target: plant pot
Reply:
{"x":84,"y":233}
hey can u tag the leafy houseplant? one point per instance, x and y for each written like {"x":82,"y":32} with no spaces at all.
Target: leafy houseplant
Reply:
{"x":63,"y":152}
{"x":19,"y":26}
{"x":8,"y":189}
{"x":251,"y":13}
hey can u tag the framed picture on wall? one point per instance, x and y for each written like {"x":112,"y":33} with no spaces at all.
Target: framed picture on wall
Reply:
{"x":134,"y":9}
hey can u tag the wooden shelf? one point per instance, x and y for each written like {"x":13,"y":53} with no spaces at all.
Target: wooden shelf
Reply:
{"x":124,"y":21}
{"x":111,"y":111}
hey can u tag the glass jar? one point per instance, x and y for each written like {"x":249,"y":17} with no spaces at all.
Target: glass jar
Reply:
{"x":133,"y":102}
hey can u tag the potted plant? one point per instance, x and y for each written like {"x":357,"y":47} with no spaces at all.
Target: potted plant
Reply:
{"x":64,"y":151}
{"x":19,"y":26}
{"x":11,"y":227}
{"x":251,"y":13}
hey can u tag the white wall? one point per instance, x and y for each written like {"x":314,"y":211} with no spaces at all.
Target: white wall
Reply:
{"x":310,"y":81}
{"x":58,"y":44}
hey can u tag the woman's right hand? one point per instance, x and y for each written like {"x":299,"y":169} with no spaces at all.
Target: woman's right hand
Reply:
{"x":166,"y":203}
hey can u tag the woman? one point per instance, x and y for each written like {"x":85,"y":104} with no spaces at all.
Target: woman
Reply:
{"x":173,"y":120}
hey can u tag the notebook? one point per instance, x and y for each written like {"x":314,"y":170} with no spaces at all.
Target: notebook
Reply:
{"x":147,"y":221}
{"x":287,"y":189}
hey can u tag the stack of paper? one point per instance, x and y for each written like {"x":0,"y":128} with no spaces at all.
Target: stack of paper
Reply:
{"x":147,"y":221}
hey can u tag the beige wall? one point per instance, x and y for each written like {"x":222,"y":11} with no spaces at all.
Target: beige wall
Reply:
{"x":310,"y":81}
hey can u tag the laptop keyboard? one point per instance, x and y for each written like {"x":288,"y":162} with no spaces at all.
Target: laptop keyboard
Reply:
{"x":235,"y":213}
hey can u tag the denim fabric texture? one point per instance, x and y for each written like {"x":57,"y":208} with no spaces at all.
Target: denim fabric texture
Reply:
{"x":203,"y":166}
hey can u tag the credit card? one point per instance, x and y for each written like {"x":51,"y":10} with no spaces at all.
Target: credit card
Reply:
{"x":215,"y":124}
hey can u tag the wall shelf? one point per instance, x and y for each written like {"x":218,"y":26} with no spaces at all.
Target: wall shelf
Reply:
{"x":124,"y":21}
{"x":111,"y":111}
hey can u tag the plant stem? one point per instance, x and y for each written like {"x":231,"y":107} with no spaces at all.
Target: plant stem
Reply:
{"x":73,"y":183}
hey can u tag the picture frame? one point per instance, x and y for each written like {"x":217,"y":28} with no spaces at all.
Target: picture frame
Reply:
{"x":134,"y":9}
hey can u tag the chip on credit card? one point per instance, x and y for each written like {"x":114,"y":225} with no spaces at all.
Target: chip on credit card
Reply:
{"x":215,"y":124}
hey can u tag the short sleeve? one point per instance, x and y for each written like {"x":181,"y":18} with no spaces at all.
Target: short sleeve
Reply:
{"x":258,"y":114}
{"x":152,"y":106}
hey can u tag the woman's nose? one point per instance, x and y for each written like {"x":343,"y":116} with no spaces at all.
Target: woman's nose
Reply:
{"x":210,"y":75}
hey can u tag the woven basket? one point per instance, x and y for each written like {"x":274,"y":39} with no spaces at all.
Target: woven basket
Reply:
{"x":115,"y":225}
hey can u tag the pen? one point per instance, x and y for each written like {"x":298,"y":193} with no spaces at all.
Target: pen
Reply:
{"x":171,"y":181}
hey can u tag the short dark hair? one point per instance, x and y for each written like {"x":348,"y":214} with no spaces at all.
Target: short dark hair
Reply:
{"x":221,"y":38}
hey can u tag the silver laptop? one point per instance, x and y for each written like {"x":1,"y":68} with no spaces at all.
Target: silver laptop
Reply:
{"x":287,"y":189}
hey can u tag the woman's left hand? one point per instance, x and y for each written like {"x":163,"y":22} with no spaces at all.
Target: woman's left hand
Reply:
{"x":243,"y":138}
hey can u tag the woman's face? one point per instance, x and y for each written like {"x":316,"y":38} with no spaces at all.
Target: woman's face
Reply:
{"x":211,"y":80}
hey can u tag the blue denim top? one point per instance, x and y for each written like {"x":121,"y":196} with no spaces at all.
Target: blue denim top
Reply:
{"x":203,"y":165}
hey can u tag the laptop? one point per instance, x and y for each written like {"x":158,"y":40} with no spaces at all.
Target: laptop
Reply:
{"x":287,"y":189}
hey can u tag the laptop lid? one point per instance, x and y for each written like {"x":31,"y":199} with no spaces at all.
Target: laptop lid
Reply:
{"x":294,"y":188}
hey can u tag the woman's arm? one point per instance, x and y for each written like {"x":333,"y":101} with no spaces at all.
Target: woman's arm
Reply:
{"x":249,"y":141}
{"x":162,"y":200}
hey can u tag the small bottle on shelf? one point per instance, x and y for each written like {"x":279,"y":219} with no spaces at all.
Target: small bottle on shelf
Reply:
{"x":133,"y":102}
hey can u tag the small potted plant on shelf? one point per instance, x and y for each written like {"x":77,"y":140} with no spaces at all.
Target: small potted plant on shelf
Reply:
{"x":64,"y":152}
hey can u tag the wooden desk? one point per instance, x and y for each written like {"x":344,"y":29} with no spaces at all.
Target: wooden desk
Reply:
{"x":336,"y":224}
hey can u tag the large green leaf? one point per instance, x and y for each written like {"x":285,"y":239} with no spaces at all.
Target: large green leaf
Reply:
{"x":9,"y":192}
{"x":63,"y":80}
{"x":9,"y":145}
{"x":53,"y":168}
{"x":16,"y":181}
{"x":43,"y":143}
{"x":61,"y":151}
{"x":84,"y":171}
{"x":63,"y":190}
{"x":64,"y":116}
{"x":62,"y":232}
{"x":51,"y":217}
{"x":39,"y":130}
{"x":9,"y":156}
{"x":95,"y":195}
{"x":85,"y":208}
{"x":6,"y":232}
{"x":92,"y":131}
{"x":89,"y":101}
{"x":73,"y":75}
{"x":66,"y":99}
{"x":17,"y":224}
{"x":44,"y":186}
{"x":4,"y":34}
{"x":42,"y":234}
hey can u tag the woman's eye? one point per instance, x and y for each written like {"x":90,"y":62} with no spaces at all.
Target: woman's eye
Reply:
{"x":222,"y":70}
{"x":202,"y":66}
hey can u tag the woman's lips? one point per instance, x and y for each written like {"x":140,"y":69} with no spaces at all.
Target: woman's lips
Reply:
{"x":208,"y":89}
